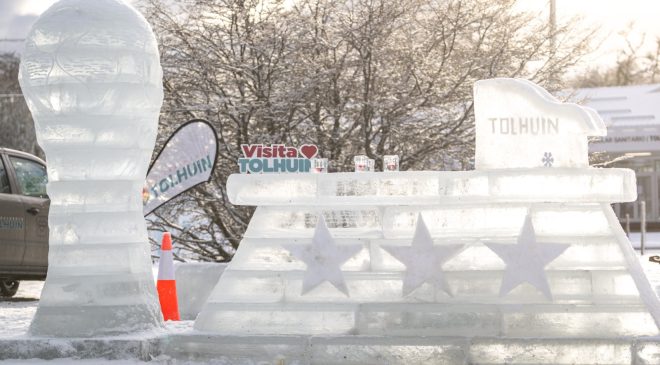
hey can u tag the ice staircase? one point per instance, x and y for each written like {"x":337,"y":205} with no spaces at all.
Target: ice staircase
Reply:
{"x":575,"y":294}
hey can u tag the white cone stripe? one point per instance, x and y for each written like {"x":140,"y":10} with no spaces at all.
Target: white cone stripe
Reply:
{"x":166,"y":266}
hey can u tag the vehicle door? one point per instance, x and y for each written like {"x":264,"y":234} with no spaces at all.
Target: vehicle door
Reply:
{"x":12,"y":222}
{"x":31,"y":178}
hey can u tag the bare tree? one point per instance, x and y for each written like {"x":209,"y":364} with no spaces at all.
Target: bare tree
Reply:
{"x":633,"y":66}
{"x":16,"y":126}
{"x":370,"y":77}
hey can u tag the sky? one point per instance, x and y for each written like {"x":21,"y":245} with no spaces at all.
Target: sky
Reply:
{"x":612,"y":16}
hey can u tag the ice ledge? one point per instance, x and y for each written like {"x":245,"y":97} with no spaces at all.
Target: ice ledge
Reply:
{"x":588,"y":185}
{"x":193,"y":347}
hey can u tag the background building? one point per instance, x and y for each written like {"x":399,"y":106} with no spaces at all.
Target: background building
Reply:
{"x":632,"y":116}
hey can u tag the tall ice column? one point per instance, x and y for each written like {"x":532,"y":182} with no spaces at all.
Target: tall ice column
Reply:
{"x":92,"y":79}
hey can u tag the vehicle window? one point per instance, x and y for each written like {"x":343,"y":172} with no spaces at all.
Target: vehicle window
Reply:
{"x":4,"y":180}
{"x":31,"y":176}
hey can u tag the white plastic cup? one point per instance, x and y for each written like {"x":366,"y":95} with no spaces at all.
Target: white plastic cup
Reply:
{"x":319,"y":165}
{"x":361,"y":163}
{"x":391,"y":163}
{"x":371,"y":165}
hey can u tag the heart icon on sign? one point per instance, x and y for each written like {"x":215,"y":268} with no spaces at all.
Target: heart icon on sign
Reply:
{"x":308,"y":150}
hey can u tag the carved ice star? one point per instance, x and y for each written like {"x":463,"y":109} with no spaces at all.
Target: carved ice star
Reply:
{"x":323,"y":258}
{"x":423,"y":260}
{"x":526,"y":260}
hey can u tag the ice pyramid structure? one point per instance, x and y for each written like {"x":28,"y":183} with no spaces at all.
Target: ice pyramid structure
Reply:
{"x":519,"y":261}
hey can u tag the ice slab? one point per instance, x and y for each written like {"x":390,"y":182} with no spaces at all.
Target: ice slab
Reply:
{"x":392,"y":350}
{"x":551,"y":352}
{"x":299,"y":221}
{"x":457,"y":187}
{"x":276,"y":318}
{"x":93,"y":196}
{"x":498,"y":221}
{"x":239,"y":350}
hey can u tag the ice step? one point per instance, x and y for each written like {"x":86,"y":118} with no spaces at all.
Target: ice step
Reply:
{"x":416,"y":319}
{"x":103,"y":290}
{"x":584,"y":286}
{"x":422,"y":350}
{"x":486,"y":220}
{"x":118,"y":258}
{"x":98,"y":227}
{"x":584,"y":253}
{"x":512,"y":321}
{"x":94,"y":196}
{"x":498,"y":220}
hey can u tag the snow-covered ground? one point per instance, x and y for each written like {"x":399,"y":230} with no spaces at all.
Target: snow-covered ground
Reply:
{"x":77,"y":362}
{"x":17,"y":312}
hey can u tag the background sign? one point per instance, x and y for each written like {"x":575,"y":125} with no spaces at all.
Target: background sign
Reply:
{"x":276,"y":158}
{"x":186,"y":160}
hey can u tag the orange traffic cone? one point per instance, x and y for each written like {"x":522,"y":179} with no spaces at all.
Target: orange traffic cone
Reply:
{"x":166,"y":284}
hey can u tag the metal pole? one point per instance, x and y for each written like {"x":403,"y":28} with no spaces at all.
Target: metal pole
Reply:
{"x":642,"y":207}
{"x":553,"y":26}
{"x":628,"y":225}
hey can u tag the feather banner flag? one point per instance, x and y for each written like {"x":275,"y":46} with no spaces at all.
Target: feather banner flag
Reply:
{"x":187,"y":159}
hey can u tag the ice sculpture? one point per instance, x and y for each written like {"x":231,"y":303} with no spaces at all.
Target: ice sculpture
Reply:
{"x":92,"y":79}
{"x":528,"y":264}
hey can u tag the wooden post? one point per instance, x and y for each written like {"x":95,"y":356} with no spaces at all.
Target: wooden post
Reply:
{"x":628,"y":225}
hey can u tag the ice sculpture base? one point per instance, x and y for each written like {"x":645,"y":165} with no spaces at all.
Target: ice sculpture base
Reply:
{"x":303,"y":350}
{"x":143,"y":346}
{"x":93,"y":321}
{"x":178,"y":342}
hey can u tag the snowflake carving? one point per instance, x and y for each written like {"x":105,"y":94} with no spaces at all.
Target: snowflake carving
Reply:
{"x":548,"y":160}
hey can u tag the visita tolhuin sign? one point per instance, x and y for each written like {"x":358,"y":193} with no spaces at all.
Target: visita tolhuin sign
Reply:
{"x":276,"y":158}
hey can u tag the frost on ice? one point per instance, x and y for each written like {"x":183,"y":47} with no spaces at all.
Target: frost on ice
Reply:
{"x":92,"y":79}
{"x":527,"y":250}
